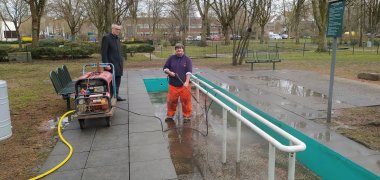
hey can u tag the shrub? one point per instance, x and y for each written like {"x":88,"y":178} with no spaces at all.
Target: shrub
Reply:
{"x":145,"y":48}
{"x":62,"y":52}
{"x":165,"y":43}
{"x":173,"y":40}
{"x":138,"y":48}
{"x":8,"y":42}
{"x":50,"y":43}
{"x":354,"y":42}
{"x":376,"y":42}
{"x":4,"y":50}
{"x":26,"y":39}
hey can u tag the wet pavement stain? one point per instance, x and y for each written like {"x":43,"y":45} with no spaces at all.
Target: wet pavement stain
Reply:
{"x":197,"y":157}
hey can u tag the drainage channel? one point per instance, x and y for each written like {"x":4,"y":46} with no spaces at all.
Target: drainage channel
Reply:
{"x":199,"y":157}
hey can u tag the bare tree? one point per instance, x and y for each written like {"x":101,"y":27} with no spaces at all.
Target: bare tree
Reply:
{"x":37,"y":10}
{"x":203,"y":9}
{"x":320,"y":17}
{"x":94,"y":9}
{"x":349,"y":20}
{"x":264,"y":12}
{"x":180,"y":10}
{"x":373,"y":10}
{"x":121,"y":8}
{"x":15,"y":11}
{"x":225,"y":11}
{"x":155,"y":8}
{"x":73,"y":13}
{"x":298,"y":7}
{"x":133,"y":10}
{"x":243,"y":25}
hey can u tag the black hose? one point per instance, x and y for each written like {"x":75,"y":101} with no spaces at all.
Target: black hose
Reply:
{"x":162,"y":127}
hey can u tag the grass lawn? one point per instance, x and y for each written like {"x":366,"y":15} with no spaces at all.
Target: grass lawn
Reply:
{"x":33,"y":100}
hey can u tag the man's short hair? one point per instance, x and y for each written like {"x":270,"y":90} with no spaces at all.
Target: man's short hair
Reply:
{"x":179,"y":45}
{"x":113,"y":26}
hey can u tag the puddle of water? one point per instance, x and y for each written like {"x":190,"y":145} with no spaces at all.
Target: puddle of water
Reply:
{"x":229,"y":88}
{"x":197,"y":157}
{"x":286,"y":86}
{"x":298,"y":125}
{"x":54,"y":123}
{"x":325,"y":136}
{"x":289,"y":87}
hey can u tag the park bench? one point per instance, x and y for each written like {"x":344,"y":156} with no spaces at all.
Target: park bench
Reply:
{"x":63,"y":84}
{"x":264,"y":57}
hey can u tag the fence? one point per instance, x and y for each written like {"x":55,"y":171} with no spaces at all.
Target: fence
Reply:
{"x":217,"y":49}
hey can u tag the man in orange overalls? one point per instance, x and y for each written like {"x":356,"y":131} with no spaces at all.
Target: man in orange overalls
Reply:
{"x":179,"y":69}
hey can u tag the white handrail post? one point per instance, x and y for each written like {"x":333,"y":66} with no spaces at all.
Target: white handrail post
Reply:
{"x":197,"y":89}
{"x":224,"y":155}
{"x":291,"y":165}
{"x":238,"y":129}
{"x":271,"y":161}
{"x":197,"y":95}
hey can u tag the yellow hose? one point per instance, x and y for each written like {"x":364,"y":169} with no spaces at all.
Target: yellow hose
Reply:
{"x":64,"y":141}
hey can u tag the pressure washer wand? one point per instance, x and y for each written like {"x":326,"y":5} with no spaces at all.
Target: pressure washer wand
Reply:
{"x":176,"y":75}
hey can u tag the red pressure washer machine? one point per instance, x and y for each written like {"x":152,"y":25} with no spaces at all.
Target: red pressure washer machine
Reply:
{"x":95,"y":95}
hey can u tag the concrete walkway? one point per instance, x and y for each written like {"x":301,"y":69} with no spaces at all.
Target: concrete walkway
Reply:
{"x":132,"y":148}
{"x":135,"y":148}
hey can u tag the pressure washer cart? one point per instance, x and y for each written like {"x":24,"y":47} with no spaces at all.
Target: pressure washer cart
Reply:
{"x":95,"y":96}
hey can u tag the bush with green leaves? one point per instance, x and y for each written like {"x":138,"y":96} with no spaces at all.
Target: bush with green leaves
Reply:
{"x":50,"y":43}
{"x":5,"y":49}
{"x":142,"y":48}
{"x":62,"y":52}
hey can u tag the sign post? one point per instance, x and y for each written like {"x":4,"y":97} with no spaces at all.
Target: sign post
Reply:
{"x":334,"y":30}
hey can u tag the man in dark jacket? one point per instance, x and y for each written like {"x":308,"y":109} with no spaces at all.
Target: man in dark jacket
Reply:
{"x":111,"y":53}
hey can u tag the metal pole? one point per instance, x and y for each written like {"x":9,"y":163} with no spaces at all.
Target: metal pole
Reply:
{"x":331,"y":87}
{"x":224,"y":151}
{"x":271,"y":161}
{"x":303,"y":51}
{"x":216,"y":50}
{"x":238,"y":137}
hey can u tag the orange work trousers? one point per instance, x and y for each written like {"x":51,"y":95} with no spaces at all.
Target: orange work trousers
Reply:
{"x":172,"y":100}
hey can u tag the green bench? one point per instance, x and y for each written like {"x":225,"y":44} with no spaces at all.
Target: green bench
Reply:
{"x":264,"y":57}
{"x":63,"y":84}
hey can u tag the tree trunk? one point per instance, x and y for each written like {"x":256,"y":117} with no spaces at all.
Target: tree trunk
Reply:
{"x":18,"y":37}
{"x":349,"y":24}
{"x":204,"y":31}
{"x":262,"y":32}
{"x":322,"y":43}
{"x":297,"y":34}
{"x":72,"y":32}
{"x":225,"y":34}
{"x":35,"y":31}
{"x":320,"y":16}
{"x":108,"y":17}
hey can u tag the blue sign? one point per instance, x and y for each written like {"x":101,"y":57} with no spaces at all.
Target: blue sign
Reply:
{"x":335,"y":18}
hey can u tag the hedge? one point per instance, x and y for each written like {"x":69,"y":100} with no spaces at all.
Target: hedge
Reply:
{"x":61,"y":52}
{"x":4,"y":50}
{"x":139,"y":48}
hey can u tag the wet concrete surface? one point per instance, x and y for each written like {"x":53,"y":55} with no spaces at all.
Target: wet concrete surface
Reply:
{"x":197,"y":155}
{"x":298,"y":98}
{"x":135,"y":148}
